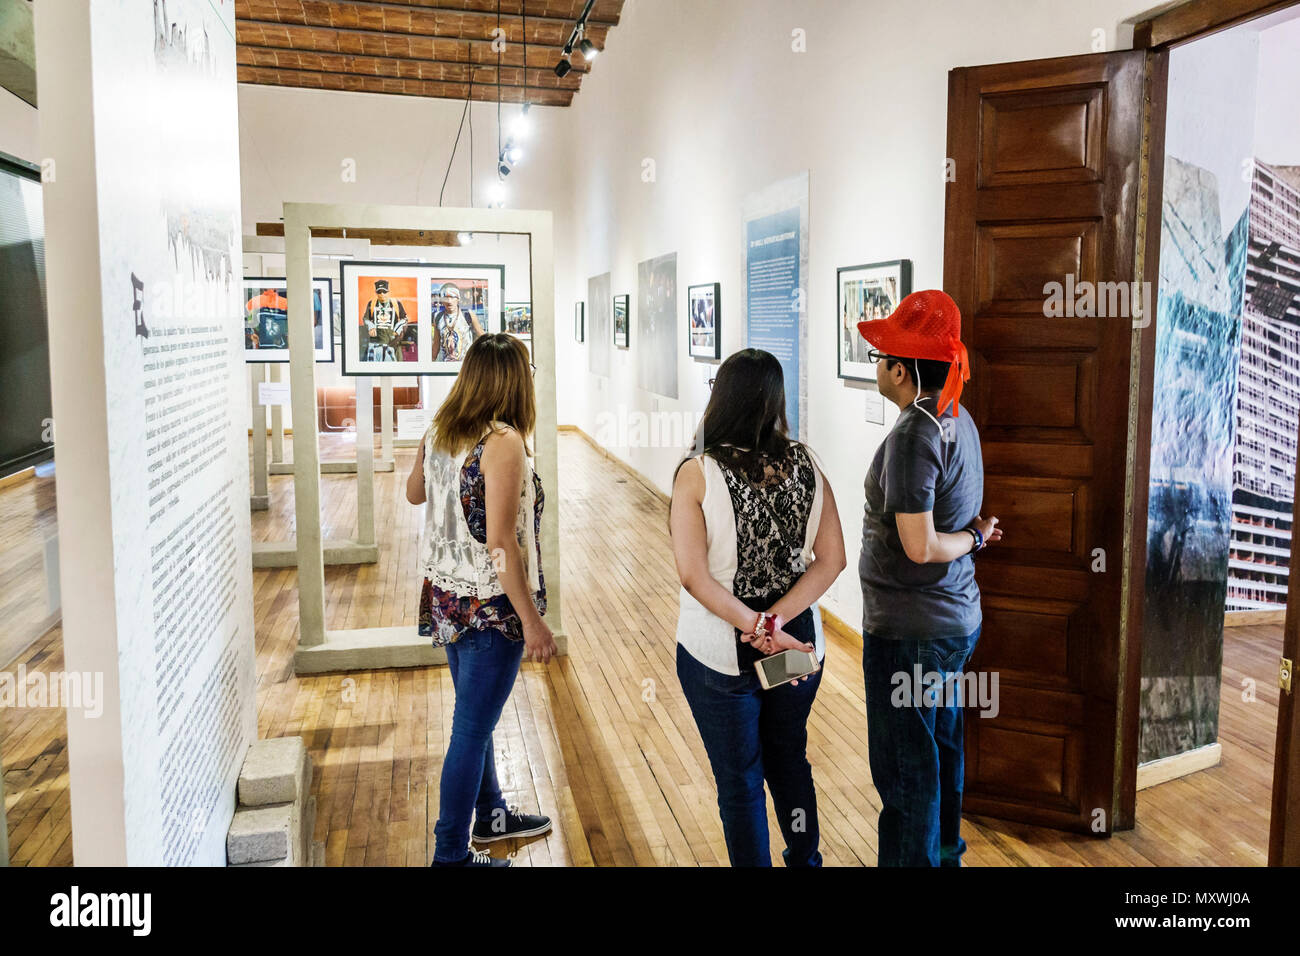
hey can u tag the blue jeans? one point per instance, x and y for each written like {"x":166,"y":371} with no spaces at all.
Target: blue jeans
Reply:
{"x":752,"y":735}
{"x":915,"y":747}
{"x":483,"y":668}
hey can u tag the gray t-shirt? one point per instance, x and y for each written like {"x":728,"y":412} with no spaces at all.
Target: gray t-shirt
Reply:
{"x":917,"y":469}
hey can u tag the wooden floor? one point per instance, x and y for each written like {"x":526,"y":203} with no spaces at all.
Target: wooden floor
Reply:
{"x":602,"y":740}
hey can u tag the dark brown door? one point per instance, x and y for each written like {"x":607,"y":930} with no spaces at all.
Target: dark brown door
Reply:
{"x":1047,"y":189}
{"x":1284,"y":827}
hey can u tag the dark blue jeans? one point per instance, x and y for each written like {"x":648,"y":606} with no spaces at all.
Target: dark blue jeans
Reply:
{"x":915,"y":746}
{"x":483,"y":669}
{"x":752,"y":735}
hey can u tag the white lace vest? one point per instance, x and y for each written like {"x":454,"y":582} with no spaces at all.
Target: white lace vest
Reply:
{"x":452,"y":559}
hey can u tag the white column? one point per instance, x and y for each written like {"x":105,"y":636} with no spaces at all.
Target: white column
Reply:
{"x":277,"y":419}
{"x":365,"y":461}
{"x":386,"y":420}
{"x":306,"y":448}
{"x":256,"y":375}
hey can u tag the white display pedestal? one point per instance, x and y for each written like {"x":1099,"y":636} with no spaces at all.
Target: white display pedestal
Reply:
{"x":359,"y":550}
{"x":281,"y":466}
{"x":320,"y":650}
{"x":260,"y":500}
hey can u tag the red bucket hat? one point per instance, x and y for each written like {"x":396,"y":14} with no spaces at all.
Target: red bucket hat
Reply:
{"x":926,"y":325}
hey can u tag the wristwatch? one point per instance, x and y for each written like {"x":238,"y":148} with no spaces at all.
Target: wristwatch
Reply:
{"x":978,"y":537}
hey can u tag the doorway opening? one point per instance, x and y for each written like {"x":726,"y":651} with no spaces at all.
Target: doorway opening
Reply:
{"x":1225,"y":410}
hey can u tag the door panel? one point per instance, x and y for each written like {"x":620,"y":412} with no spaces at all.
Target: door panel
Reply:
{"x":1047,"y":156}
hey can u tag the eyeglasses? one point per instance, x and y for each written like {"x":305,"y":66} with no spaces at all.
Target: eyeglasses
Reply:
{"x":711,"y":381}
{"x":875,"y":355}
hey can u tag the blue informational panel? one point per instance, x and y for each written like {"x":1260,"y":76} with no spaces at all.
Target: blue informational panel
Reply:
{"x":773,"y":297}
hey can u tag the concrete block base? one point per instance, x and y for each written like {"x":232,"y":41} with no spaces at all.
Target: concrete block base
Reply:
{"x":376,"y":648}
{"x":331,"y":467}
{"x":284,"y":554}
{"x":276,"y":814}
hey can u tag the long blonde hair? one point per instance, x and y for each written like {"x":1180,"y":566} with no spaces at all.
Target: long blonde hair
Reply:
{"x":495,"y":384}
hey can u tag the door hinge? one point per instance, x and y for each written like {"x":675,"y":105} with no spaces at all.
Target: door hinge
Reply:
{"x":1284,"y":674}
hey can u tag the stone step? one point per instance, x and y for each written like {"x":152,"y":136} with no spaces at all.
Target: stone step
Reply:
{"x":264,"y":835}
{"x":277,"y":770}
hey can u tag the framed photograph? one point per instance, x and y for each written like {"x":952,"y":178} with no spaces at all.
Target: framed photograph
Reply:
{"x":580,"y":321}
{"x":266,"y":319}
{"x":402,"y":318}
{"x":519,"y":320}
{"x":338,"y":315}
{"x":466,"y":301}
{"x":705,"y":335}
{"x":622,"y":310}
{"x":866,"y":292}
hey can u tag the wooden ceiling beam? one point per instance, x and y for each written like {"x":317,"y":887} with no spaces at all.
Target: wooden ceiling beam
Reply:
{"x":418,"y":79}
{"x":484,"y":93}
{"x":379,"y":237}
{"x":510,"y":9}
{"x":280,"y":58}
{"x":377,"y":43}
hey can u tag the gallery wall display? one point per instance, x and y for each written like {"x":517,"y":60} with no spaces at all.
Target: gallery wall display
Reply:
{"x":519,"y":320}
{"x":600,"y":351}
{"x":622,"y":305}
{"x":580,"y":321}
{"x":401,"y":318}
{"x":656,"y":325}
{"x":866,"y":292}
{"x":266,"y":319}
{"x":338,"y":315}
{"x":774,"y":310}
{"x":705,"y":320}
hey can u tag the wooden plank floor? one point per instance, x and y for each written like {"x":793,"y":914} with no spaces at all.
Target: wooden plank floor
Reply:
{"x":602,"y":740}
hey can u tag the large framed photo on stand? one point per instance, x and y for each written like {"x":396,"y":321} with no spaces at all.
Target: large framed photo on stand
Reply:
{"x":402,"y":318}
{"x":266,"y":319}
{"x":866,"y":292}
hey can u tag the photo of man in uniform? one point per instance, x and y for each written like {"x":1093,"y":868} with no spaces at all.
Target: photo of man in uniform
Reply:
{"x":386,"y":322}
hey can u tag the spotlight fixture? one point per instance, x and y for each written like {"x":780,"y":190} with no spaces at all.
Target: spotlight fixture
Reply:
{"x":566,"y":63}
{"x":578,"y":38}
{"x":514,"y":154}
{"x":497,"y":195}
{"x":465,"y":238}
{"x":504,"y":163}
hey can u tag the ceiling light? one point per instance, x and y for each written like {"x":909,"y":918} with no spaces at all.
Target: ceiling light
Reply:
{"x":566,"y":63}
{"x":465,"y":238}
{"x":497,"y":194}
{"x":523,"y":124}
{"x":589,"y":51}
{"x":514,"y":154}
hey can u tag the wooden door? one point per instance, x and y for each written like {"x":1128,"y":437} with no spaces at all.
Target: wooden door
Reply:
{"x":1284,"y":823}
{"x":1047,"y":184}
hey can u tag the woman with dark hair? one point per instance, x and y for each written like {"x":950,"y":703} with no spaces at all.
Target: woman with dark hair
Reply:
{"x":483,"y":596}
{"x":757,"y":541}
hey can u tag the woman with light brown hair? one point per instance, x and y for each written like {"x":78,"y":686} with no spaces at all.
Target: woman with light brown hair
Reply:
{"x":483,"y":596}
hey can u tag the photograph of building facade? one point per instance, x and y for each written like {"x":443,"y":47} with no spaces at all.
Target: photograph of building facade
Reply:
{"x":1268,"y":395}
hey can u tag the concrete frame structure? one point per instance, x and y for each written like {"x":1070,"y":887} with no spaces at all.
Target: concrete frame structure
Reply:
{"x":321,"y":650}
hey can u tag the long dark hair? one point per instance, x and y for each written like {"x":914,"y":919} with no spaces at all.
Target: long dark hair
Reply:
{"x":744,"y":423}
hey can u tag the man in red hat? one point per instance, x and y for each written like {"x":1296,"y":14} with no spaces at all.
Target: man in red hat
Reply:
{"x":920,"y":604}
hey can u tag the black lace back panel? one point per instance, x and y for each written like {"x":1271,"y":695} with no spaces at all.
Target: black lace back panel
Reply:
{"x":769,"y":556}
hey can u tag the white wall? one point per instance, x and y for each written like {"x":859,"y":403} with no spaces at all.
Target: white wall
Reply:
{"x":714,"y":94}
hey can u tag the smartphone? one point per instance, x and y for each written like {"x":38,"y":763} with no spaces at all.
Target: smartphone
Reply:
{"x":786,"y":666}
